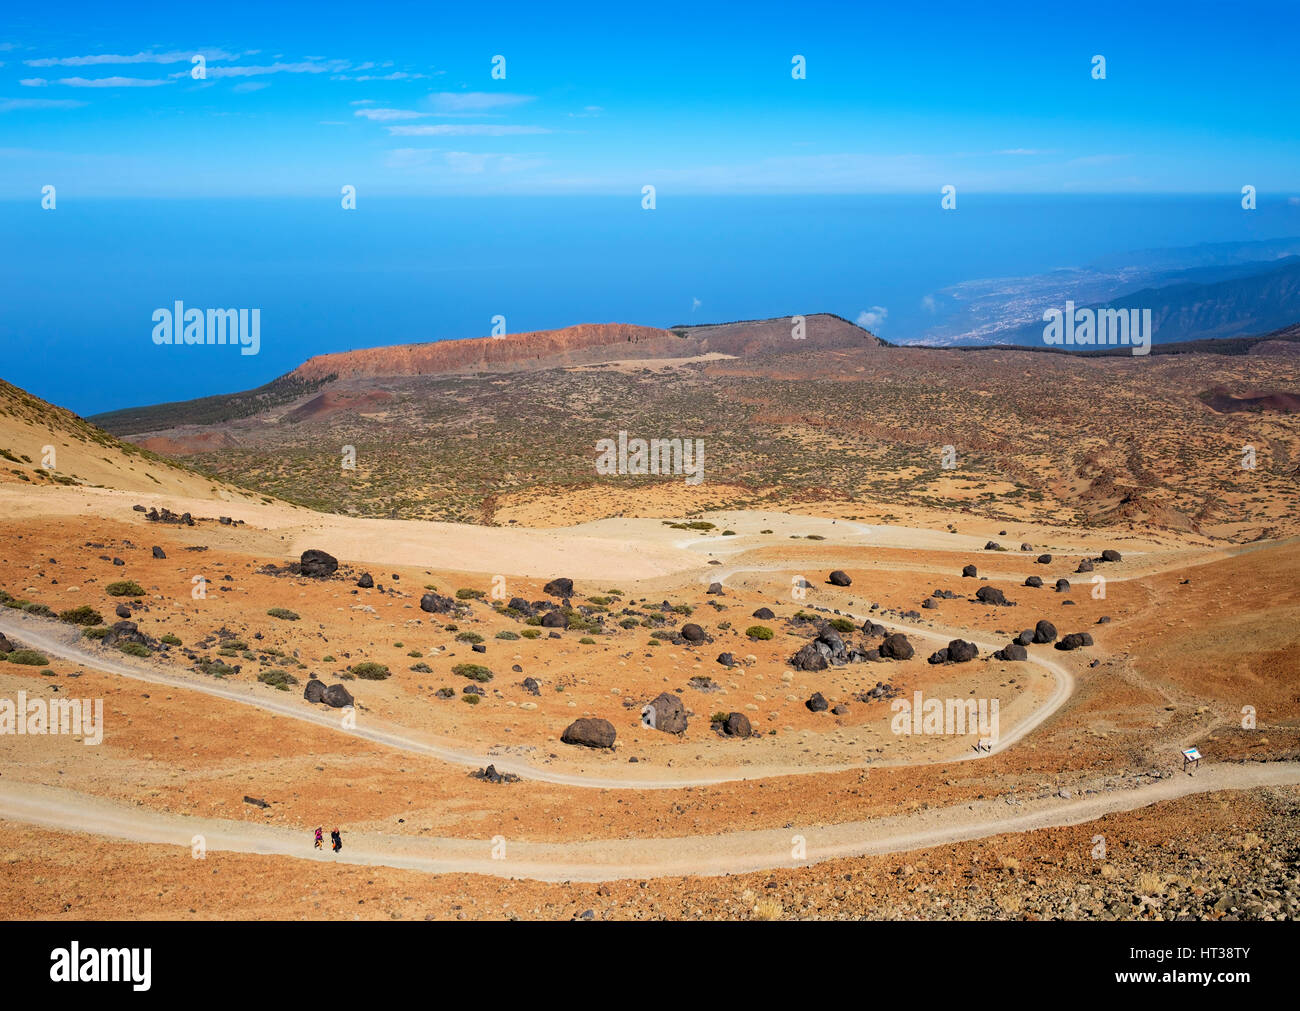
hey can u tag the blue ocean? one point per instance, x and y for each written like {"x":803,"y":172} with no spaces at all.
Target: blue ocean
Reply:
{"x":79,"y":284}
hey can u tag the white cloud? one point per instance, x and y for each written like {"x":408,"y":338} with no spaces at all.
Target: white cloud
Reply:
{"x":12,"y":104}
{"x":928,"y":303}
{"x":388,"y":115}
{"x":33,"y":82}
{"x":475,"y":101}
{"x":111,"y":82}
{"x":176,"y":56}
{"x":301,"y":67}
{"x":246,"y":86}
{"x":464,"y":130}
{"x":871,"y":318}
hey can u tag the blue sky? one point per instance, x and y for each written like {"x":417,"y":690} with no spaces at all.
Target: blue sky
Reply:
{"x":399,"y":99}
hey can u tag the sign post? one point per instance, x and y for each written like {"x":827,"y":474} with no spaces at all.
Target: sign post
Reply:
{"x":1191,"y":756}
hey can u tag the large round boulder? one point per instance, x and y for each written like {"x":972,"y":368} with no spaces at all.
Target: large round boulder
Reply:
{"x":970,"y":572}
{"x":764,"y":614}
{"x":589,"y":733}
{"x":840,"y":578}
{"x":555,"y":619}
{"x":1044,"y":631}
{"x":665,"y":712}
{"x":896,"y":647}
{"x":560,"y":587}
{"x":435,"y":603}
{"x":961,"y":651}
{"x":737,"y":725}
{"x":337,"y":696}
{"x":1074,"y":640}
{"x":692,"y":633}
{"x":317,"y":564}
{"x":992,"y":595}
{"x":1034,"y":581}
{"x":315,"y":691}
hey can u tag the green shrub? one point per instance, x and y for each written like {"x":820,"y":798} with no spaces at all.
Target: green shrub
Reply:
{"x":758,"y":632}
{"x":415,"y":653}
{"x":277,"y":679}
{"x":422,"y":668}
{"x":214,"y":668}
{"x":368,"y":670}
{"x":629,"y":623}
{"x":83,"y":615}
{"x":587,"y":640}
{"x":505,"y":633}
{"x":470,"y":637}
{"x":842,"y":625}
{"x":135,"y":649}
{"x":170,"y":640}
{"x":473,"y":671}
{"x":328,"y":659}
{"x":96,"y":633}
{"x":530,"y":633}
{"x":283,"y":613}
{"x":470,"y":594}
{"x":471,"y":699}
{"x":124,"y":588}
{"x":44,"y":610}
{"x":27,"y":657}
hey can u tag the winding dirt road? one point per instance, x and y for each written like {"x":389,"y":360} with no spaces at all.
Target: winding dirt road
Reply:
{"x":614,"y":859}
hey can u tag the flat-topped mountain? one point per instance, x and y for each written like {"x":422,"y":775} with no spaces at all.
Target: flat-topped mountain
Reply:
{"x":584,"y":344}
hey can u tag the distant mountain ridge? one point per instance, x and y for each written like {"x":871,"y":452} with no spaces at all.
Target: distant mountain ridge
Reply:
{"x":583,"y":344}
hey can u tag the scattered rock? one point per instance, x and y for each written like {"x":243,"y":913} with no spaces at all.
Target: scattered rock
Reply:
{"x":840,"y":578}
{"x":1034,"y":581}
{"x":1075,"y":640}
{"x":970,"y":572}
{"x":367,"y":581}
{"x":817,"y":703}
{"x":159,"y":552}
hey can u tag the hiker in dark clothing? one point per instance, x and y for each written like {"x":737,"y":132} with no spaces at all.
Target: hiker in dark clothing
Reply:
{"x":338,"y":840}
